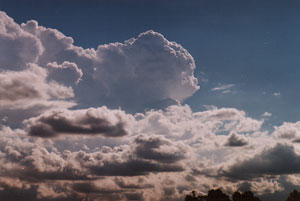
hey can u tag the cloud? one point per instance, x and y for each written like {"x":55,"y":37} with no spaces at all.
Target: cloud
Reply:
{"x":67,"y":71}
{"x":133,"y":167}
{"x":100,"y":121}
{"x":161,"y":72}
{"x":266,"y":114}
{"x":158,"y":152}
{"x":140,"y":183}
{"x":158,"y":149}
{"x":98,"y":153}
{"x":17,"y":46}
{"x":223,"y":87}
{"x":32,"y":161}
{"x":287,"y":130}
{"x":156,"y":68}
{"x":20,"y":88}
{"x":146,"y":155}
{"x":276,"y":94}
{"x":278,"y":160}
{"x":229,"y":119}
{"x":236,"y":140}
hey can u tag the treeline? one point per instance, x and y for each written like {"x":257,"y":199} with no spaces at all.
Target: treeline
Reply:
{"x":218,"y":195}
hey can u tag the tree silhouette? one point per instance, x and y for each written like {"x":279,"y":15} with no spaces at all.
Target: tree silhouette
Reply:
{"x":218,"y":195}
{"x":213,"y":195}
{"x":246,"y":196}
{"x":294,"y":196}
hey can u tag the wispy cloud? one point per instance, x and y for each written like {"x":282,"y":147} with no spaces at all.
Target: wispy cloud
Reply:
{"x":224,"y":89}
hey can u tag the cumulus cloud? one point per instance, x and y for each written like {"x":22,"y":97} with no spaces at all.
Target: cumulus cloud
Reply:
{"x":146,"y":155}
{"x":227,"y":119}
{"x":36,"y":163}
{"x":158,"y":145}
{"x":287,"y":131}
{"x":236,"y":140}
{"x":158,"y":149}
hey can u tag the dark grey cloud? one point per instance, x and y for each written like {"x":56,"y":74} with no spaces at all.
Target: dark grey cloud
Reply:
{"x":135,"y":196}
{"x":152,"y":154}
{"x":94,"y":192}
{"x":278,"y":160}
{"x":31,"y":192}
{"x":150,"y":148}
{"x":133,"y":167}
{"x":235,"y":140}
{"x":87,"y":122}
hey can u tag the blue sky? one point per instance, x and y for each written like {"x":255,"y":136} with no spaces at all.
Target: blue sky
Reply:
{"x":148,"y":100}
{"x":251,"y":44}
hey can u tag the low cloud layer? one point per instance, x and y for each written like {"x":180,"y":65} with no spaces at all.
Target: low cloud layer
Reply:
{"x":169,"y":152}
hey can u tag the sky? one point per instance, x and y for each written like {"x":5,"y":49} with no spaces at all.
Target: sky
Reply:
{"x":148,"y":100}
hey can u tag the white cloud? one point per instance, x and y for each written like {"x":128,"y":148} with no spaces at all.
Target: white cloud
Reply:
{"x":287,"y":130}
{"x":223,"y":87}
{"x":266,"y":114}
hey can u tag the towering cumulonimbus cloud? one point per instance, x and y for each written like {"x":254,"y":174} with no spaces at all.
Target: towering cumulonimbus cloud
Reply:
{"x":145,"y":70}
{"x":137,"y":74}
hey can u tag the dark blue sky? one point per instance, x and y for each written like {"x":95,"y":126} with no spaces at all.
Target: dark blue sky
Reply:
{"x":253,"y":44}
